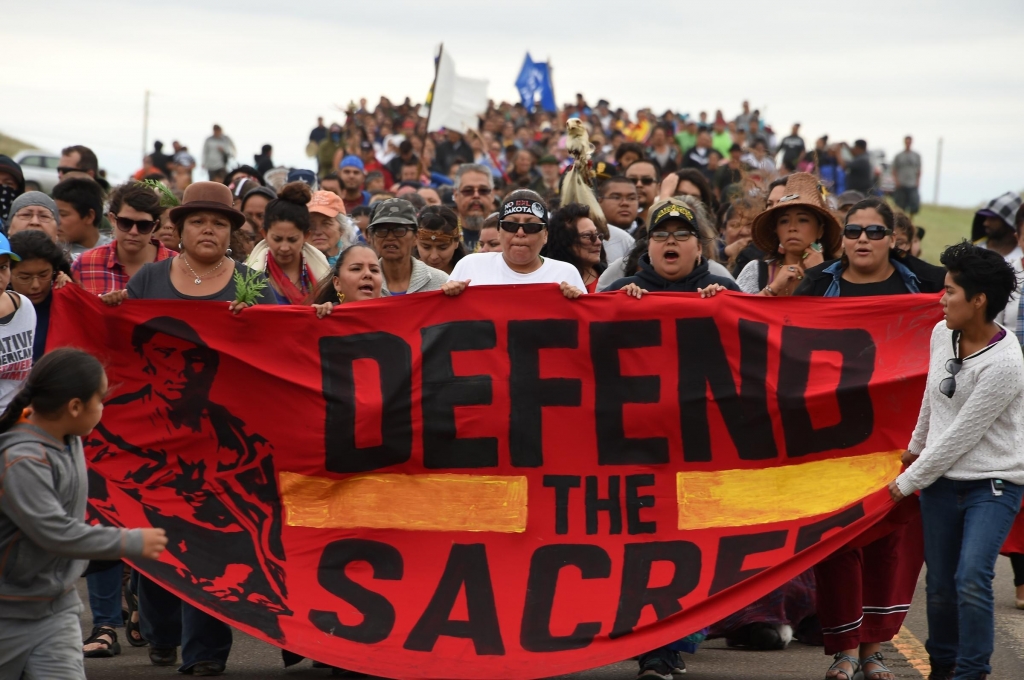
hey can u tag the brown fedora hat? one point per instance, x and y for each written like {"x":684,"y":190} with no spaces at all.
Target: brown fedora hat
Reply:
{"x":210,"y":196}
{"x":804,"y":190}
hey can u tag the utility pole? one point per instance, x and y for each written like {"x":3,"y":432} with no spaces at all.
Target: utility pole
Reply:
{"x":145,"y":125}
{"x":938,"y":171}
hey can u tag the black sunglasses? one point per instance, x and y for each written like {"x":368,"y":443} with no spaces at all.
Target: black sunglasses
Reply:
{"x":384,"y":230}
{"x":63,"y":170}
{"x":527,"y":227}
{"x":590,"y":237}
{"x":646,"y":181}
{"x":948,"y":385}
{"x":875,"y":232}
{"x":144,"y":226}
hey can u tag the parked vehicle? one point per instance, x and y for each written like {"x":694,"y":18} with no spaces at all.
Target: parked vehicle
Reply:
{"x":39,"y":168}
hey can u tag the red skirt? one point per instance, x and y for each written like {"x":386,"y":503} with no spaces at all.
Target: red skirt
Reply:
{"x":1015,"y":540}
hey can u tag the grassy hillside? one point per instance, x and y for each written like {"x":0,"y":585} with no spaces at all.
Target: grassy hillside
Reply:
{"x":10,"y":146}
{"x":943,"y":225}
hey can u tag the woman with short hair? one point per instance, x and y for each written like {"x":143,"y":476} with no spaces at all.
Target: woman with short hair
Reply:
{"x":392,"y":233}
{"x":524,"y":231}
{"x":966,"y":458}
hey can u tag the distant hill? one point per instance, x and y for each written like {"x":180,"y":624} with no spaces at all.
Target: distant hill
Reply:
{"x":944,"y":225}
{"x":10,"y":146}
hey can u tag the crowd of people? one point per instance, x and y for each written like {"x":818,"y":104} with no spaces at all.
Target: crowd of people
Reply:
{"x":679,"y":204}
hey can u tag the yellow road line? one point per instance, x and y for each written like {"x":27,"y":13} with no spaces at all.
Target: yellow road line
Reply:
{"x":732,"y":498}
{"x":426,"y":502}
{"x":907,"y":644}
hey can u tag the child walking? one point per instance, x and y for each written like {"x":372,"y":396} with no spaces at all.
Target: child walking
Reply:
{"x":44,"y":540}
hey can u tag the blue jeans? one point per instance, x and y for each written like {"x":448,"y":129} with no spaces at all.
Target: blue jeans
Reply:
{"x":166,"y":622}
{"x":965,"y":525}
{"x":105,"y":596}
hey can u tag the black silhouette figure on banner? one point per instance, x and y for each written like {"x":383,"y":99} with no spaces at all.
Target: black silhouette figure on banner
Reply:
{"x":215,"y":493}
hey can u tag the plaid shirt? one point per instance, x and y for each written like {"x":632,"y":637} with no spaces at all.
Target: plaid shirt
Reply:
{"x":99,"y":272}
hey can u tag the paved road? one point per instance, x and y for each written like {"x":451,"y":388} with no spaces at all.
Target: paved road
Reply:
{"x":255,"y":660}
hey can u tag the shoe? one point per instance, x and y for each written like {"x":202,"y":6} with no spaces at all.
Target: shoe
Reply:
{"x":1019,"y":603}
{"x":208,"y":668}
{"x":942,"y":672}
{"x":163,"y":656}
{"x":679,"y":667}
{"x":656,"y":669}
{"x":767,"y":637}
{"x":107,"y":649}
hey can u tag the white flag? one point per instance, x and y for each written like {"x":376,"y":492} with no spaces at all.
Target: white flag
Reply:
{"x":457,"y":102}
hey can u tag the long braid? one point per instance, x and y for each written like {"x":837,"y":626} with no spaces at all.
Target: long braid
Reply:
{"x":22,"y":400}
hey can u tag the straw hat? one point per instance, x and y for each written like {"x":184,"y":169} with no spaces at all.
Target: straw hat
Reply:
{"x":208,"y":196}
{"x":804,"y":190}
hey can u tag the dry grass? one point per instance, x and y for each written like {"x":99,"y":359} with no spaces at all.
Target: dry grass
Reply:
{"x":10,"y":146}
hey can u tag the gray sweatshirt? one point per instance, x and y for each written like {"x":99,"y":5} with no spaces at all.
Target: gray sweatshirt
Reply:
{"x":44,"y":540}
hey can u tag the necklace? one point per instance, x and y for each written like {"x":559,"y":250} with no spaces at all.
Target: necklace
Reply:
{"x":199,"y":279}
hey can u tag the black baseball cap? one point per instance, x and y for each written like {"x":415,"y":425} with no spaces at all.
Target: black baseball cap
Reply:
{"x":672,"y":209}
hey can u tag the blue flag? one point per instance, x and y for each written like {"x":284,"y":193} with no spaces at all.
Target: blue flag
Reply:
{"x":535,"y":79}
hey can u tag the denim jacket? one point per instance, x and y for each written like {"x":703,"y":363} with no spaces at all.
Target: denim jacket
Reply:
{"x":910,"y":279}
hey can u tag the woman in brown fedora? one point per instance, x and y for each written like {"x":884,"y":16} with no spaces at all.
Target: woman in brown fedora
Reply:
{"x":797,"y":233}
{"x":203,"y":269}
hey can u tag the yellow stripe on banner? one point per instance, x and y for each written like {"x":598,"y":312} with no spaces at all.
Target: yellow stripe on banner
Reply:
{"x":730,"y":498}
{"x":428,"y":502}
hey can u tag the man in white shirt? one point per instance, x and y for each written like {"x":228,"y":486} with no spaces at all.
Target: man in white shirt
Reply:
{"x":218,"y":150}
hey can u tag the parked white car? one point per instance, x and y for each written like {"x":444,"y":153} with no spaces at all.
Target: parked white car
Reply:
{"x":39,"y":168}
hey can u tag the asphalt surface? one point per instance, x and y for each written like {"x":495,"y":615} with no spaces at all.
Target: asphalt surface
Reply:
{"x":256,"y":660}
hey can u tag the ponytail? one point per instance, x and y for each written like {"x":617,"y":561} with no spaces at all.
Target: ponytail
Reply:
{"x":60,"y":376}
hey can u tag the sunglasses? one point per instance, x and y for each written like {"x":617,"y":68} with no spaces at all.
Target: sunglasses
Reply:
{"x":875,"y":232}
{"x":683,"y":235}
{"x":470,"y":191}
{"x":63,"y":170}
{"x":144,"y":226}
{"x":590,"y":237}
{"x":646,"y":181}
{"x":948,"y":385}
{"x":385,"y":230}
{"x":528,"y":227}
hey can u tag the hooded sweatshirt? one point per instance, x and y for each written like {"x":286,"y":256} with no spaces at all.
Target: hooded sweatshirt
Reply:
{"x":649,"y":280}
{"x":45,"y":542}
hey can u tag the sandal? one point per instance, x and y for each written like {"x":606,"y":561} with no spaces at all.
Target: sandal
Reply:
{"x":839,"y":658}
{"x":876,"y":660}
{"x":110,"y":647}
{"x":132,"y":631}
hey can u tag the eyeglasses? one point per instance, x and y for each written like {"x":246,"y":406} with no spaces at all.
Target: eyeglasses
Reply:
{"x":646,"y":181}
{"x":41,"y":217}
{"x":247,"y":235}
{"x":948,"y":385}
{"x":875,"y":232}
{"x":683,"y":235}
{"x":29,"y":278}
{"x":591,"y":237}
{"x":63,"y":170}
{"x":470,"y":191}
{"x":385,"y":230}
{"x":620,"y":198}
{"x":144,"y":226}
{"x":527,"y":227}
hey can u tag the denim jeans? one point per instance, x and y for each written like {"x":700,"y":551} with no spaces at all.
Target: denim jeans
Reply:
{"x":105,"y":596}
{"x":166,"y":622}
{"x":965,"y":524}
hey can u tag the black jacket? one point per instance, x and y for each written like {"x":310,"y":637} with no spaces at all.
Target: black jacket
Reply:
{"x":932,"y":279}
{"x":649,"y":280}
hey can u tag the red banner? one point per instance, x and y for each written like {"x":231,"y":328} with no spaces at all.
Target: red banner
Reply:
{"x":501,"y":485}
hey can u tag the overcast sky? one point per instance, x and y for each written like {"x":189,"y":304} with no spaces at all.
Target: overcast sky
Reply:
{"x":75,"y":72}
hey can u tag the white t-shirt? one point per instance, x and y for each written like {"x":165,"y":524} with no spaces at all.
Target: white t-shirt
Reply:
{"x":16,"y":337}
{"x":489,"y":269}
{"x":619,"y":243}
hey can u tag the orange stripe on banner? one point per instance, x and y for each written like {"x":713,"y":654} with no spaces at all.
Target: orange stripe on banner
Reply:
{"x":412,"y":502}
{"x":730,"y":498}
